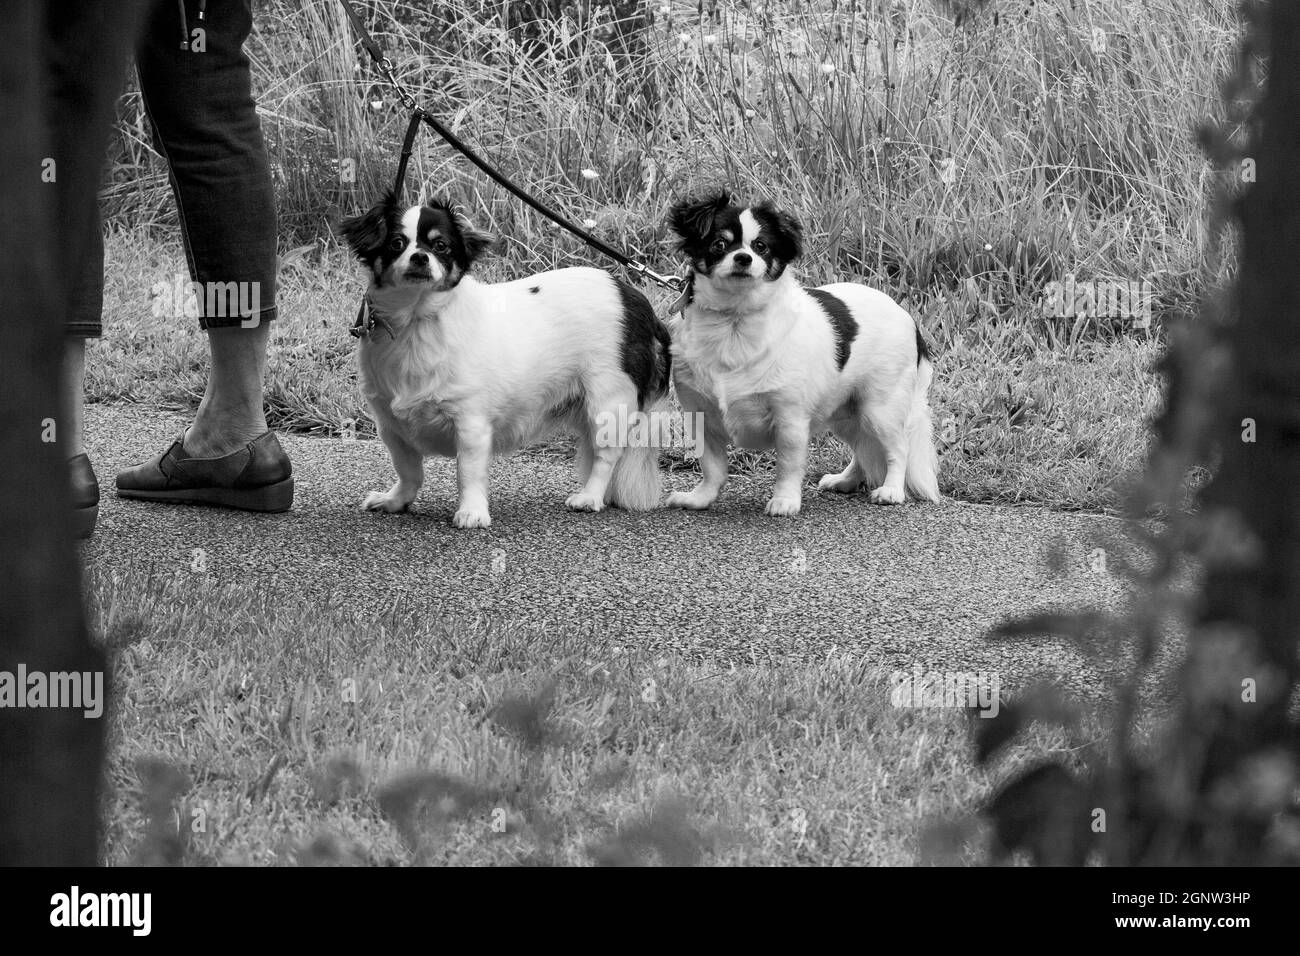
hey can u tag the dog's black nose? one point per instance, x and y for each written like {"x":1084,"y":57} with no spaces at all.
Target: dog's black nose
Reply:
{"x":743,"y":259}
{"x":419,"y":258}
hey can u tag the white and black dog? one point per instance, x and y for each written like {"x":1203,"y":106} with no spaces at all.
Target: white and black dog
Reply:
{"x":769,"y":362}
{"x":457,"y":367}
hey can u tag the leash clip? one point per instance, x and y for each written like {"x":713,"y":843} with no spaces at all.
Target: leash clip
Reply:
{"x":671,"y":283}
{"x":385,"y":66}
{"x":367,"y":319}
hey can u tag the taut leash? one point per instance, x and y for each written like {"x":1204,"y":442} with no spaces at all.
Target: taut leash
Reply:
{"x":420,"y":115}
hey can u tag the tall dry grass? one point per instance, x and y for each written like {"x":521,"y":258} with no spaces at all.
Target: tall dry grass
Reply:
{"x":960,"y":154}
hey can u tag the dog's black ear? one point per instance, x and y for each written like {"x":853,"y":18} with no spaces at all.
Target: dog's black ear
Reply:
{"x":367,"y":233}
{"x":692,"y":218}
{"x":785,"y":230}
{"x":477,"y":242}
{"x":790,"y":231}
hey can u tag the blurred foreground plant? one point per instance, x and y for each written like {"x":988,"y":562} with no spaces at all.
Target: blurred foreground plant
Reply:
{"x":1221,"y":787}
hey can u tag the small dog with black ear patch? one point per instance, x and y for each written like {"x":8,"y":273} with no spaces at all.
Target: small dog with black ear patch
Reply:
{"x":770,"y":363}
{"x":457,"y":367}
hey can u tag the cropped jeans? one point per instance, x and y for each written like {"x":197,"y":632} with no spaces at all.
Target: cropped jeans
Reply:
{"x":199,"y":101}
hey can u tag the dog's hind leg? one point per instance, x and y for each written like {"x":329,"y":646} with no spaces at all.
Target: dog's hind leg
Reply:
{"x":851,"y":478}
{"x":888,"y":426}
{"x":600,"y":448}
{"x":408,"y":462}
{"x":592,"y":495}
{"x":845,"y":482}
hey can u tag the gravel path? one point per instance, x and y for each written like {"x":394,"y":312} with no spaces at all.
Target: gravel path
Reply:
{"x":895,"y":586}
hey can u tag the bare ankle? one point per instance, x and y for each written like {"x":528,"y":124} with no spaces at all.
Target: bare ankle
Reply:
{"x":208,"y":439}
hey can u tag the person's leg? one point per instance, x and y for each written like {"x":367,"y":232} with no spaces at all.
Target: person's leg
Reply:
{"x":87,"y":304}
{"x":83,"y":323}
{"x":74,"y":390}
{"x":231,"y":412}
{"x":84,"y":50}
{"x":205,"y":121}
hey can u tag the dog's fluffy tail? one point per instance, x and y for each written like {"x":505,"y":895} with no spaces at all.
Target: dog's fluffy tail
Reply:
{"x":637,"y":483}
{"x":922,"y":477}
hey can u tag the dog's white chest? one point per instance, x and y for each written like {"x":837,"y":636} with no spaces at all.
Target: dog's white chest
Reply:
{"x":746,"y":409}
{"x":410,"y":403}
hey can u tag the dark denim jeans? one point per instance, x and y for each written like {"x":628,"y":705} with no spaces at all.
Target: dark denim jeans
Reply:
{"x":206,"y":126}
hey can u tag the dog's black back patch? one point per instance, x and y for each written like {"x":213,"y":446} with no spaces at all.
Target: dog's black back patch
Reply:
{"x":842,"y":323}
{"x":645,"y":354}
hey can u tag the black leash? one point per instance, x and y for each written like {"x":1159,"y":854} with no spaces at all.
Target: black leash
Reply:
{"x":419,"y":115}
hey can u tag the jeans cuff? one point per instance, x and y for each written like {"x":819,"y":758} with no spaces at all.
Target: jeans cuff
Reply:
{"x":235,"y":321}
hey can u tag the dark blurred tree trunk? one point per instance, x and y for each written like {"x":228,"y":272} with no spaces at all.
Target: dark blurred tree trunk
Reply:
{"x":50,"y":758}
{"x":1258,"y":483}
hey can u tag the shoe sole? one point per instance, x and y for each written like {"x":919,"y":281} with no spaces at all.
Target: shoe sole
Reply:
{"x":271,"y":498}
{"x":83,"y":520}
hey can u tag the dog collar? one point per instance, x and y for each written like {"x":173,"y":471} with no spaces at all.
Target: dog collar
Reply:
{"x":367,"y":318}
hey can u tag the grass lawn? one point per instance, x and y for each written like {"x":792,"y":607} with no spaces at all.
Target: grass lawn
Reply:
{"x":245,"y":733}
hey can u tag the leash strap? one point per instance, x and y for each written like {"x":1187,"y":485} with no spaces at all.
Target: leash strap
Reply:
{"x":418,"y":115}
{"x":408,"y":146}
{"x":501,"y":179}
{"x":376,"y":52}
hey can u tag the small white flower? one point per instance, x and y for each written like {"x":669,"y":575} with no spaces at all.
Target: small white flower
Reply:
{"x":750,"y":114}
{"x":684,"y":39}
{"x":710,"y":40}
{"x":987,"y":247}
{"x":589,"y":224}
{"x":828,"y":67}
{"x":376,"y":105}
{"x":590,"y":174}
{"x":665,"y":11}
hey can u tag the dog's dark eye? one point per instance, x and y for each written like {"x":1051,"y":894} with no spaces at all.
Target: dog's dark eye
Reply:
{"x":440,"y":245}
{"x":719,"y":245}
{"x":759,"y":246}
{"x":397,"y":243}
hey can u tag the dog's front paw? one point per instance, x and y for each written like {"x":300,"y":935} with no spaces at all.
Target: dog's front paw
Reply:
{"x":581,"y":501}
{"x":471,"y":517}
{"x":384,"y":501}
{"x":781,"y":507}
{"x":690,"y":500}
{"x":842,"y":483}
{"x":885,"y":495}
